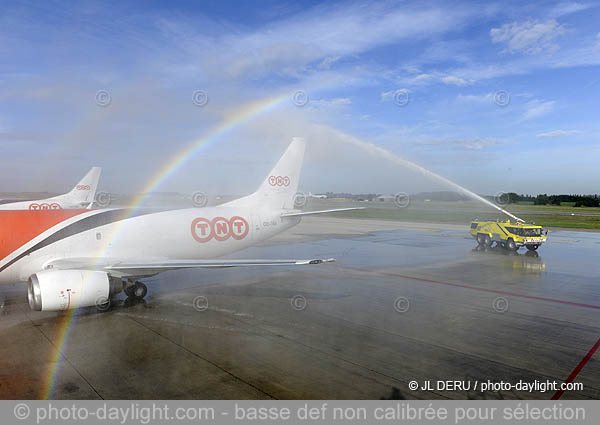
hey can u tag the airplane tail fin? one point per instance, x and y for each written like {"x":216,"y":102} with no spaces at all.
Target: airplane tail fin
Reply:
{"x":279,"y":188}
{"x":85,"y":191}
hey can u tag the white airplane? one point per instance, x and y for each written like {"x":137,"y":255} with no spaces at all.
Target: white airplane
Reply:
{"x":81,"y":196}
{"x":79,"y":258}
{"x":311,"y":195}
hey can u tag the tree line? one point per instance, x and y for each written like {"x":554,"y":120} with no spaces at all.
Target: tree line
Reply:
{"x":545,"y":199}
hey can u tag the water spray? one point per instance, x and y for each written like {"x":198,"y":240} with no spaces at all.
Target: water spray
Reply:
{"x":383,"y":153}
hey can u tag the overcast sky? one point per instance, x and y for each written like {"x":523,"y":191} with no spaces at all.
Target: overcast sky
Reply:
{"x":495,"y":96}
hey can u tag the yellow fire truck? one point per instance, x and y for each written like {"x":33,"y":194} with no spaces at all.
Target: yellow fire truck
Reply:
{"x":507,"y":234}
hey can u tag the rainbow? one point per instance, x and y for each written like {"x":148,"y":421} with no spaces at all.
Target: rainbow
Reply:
{"x":62,"y":339}
{"x":237,"y":118}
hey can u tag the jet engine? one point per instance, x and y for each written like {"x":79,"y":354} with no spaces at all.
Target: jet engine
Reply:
{"x":52,"y":290}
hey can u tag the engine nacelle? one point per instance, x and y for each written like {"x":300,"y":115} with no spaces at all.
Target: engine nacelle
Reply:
{"x":52,"y":290}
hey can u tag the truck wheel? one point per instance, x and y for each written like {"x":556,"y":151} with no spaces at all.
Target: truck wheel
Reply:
{"x":511,"y":245}
{"x":487,"y":241}
{"x":532,"y":247}
{"x":479,"y":238}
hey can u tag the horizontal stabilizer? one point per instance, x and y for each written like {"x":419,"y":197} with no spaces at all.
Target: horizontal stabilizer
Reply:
{"x":300,"y":214}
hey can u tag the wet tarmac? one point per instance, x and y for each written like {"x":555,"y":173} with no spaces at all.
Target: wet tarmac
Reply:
{"x":402,"y":303}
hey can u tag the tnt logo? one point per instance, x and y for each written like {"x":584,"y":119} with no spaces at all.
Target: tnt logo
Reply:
{"x":219,"y":228}
{"x":279,"y":181}
{"x":83,"y":187}
{"x":45,"y":206}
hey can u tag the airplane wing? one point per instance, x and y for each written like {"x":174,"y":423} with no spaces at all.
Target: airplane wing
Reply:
{"x":299,"y":214}
{"x":142,"y":268}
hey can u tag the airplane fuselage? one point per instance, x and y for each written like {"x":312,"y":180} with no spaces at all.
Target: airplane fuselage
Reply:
{"x":188,"y":234}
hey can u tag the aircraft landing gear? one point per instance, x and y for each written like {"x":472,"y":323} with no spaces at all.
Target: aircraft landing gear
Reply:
{"x":135,"y":290}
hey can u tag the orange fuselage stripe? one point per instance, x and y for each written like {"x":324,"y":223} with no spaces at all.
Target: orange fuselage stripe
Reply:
{"x":17,"y":227}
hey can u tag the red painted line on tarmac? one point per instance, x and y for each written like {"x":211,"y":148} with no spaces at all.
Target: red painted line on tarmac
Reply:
{"x":576,"y":371}
{"x":475,"y":288}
